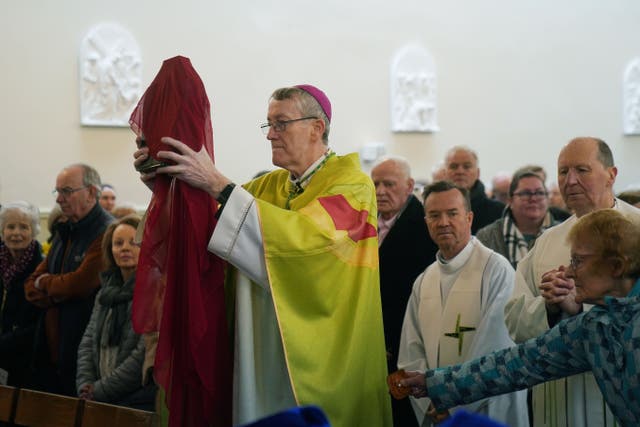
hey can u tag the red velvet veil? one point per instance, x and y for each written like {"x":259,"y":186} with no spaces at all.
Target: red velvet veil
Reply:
{"x":179,"y":284}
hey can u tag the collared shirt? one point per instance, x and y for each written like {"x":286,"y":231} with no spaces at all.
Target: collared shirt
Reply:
{"x":604,"y":340}
{"x":384,"y":225}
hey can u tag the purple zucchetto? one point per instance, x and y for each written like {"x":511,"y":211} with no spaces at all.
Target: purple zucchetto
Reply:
{"x":319,"y":96}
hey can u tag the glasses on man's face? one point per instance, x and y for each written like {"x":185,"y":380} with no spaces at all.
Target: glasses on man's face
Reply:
{"x":281,"y":125}
{"x":526,"y":194}
{"x":577,"y":260}
{"x":66,"y":191}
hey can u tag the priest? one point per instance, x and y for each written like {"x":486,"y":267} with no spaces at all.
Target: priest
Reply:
{"x":455,"y":312}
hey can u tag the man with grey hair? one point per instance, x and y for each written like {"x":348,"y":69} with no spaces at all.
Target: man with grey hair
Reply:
{"x":405,"y":250}
{"x":66,"y":281}
{"x":543,"y":295}
{"x":462,"y":169}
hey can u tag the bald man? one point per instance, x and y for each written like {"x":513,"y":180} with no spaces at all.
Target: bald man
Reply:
{"x":543,"y":295}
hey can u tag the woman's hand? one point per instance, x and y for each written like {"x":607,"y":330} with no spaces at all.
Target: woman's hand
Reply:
{"x":416,"y":382}
{"x":86,"y":392}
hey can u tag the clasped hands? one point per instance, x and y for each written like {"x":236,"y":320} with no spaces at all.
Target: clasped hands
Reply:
{"x":86,"y":391}
{"x":559,"y":292}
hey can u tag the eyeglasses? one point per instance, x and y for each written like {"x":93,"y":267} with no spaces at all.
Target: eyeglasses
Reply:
{"x":577,"y":260}
{"x":66,"y":191}
{"x":526,"y":194}
{"x":281,"y":125}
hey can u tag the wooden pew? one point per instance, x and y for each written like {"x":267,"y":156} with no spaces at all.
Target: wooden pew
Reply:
{"x":98,"y":414}
{"x":38,"y":409}
{"x":7,"y":403}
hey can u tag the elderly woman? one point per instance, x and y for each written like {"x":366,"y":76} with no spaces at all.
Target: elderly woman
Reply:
{"x":110,"y":354}
{"x":605,"y":270}
{"x":524,"y":219}
{"x":20,"y":253}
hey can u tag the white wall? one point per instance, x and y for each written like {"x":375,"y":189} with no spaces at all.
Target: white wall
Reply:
{"x":516,"y":79}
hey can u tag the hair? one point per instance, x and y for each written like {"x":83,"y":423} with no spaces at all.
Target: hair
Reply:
{"x":399,"y":161}
{"x":107,"y":186}
{"x":107,"y":254}
{"x":461,"y":148}
{"x":90,"y":177}
{"x":537,"y":169}
{"x":56,"y":216}
{"x":441,"y":187}
{"x":630,"y":196}
{"x":123,"y":210}
{"x":612,"y":236}
{"x":519,"y":175}
{"x":307,"y":105}
{"x":53,"y":217}
{"x":25,"y":208}
{"x":604,"y":153}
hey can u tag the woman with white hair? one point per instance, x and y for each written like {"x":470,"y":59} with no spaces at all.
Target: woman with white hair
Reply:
{"x":20,"y":253}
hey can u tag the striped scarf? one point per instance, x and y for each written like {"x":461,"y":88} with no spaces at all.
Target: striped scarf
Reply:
{"x":517,"y":246}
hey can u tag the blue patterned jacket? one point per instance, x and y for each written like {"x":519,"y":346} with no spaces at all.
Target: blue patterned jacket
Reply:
{"x":604,"y":340}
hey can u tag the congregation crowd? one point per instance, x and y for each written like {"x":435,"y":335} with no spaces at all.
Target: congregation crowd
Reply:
{"x":66,"y":307}
{"x":504,"y":301}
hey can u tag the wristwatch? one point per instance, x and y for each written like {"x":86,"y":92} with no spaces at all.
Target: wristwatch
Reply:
{"x":225,"y":193}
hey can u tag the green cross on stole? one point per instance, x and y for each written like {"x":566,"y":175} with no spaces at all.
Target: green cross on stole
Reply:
{"x":459,"y":333}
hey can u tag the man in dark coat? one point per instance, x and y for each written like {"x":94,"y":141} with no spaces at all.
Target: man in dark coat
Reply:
{"x":405,"y":250}
{"x":462,"y":169}
{"x":66,"y":281}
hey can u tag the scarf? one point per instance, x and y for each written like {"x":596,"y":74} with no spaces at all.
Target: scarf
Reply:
{"x":14,"y":268}
{"x":517,"y":246}
{"x":116,"y":296}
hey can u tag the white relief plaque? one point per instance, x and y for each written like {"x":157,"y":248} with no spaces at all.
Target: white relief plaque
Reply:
{"x":631,"y":98}
{"x":110,"y":76}
{"x":413,"y":91}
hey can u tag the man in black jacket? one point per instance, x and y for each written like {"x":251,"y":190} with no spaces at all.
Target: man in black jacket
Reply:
{"x":462,"y":170}
{"x":405,"y":250}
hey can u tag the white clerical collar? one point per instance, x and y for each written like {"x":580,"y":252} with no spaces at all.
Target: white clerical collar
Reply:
{"x":458,"y":261}
{"x":304,"y":179}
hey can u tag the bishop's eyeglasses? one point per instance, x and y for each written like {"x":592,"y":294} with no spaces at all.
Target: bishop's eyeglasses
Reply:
{"x":281,"y":125}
